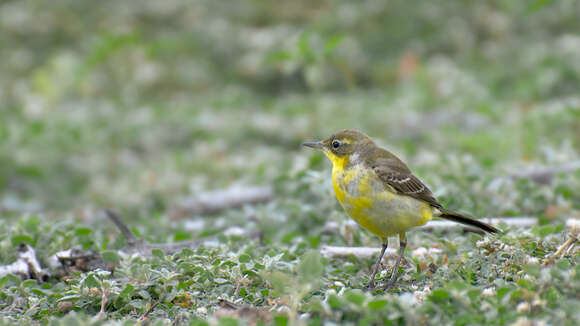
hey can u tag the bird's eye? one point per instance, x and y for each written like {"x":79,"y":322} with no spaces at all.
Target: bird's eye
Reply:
{"x":335,"y":144}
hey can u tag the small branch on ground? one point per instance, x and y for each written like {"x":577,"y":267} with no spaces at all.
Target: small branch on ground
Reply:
{"x":443,"y":226}
{"x":360,"y":252}
{"x":141,"y":247}
{"x":64,"y":262}
{"x":27,"y":265}
{"x":130,"y":238}
{"x":143,"y":317}
{"x":216,"y":201}
{"x":546,"y":175}
{"x":102,"y":312}
{"x":566,"y":247}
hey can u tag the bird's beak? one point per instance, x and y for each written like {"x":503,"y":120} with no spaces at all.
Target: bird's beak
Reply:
{"x":314,"y":144}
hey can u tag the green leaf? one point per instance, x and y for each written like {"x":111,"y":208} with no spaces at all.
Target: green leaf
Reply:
{"x":334,"y":301}
{"x":533,"y":270}
{"x":279,"y":282}
{"x":181,"y":236}
{"x":156,"y":252}
{"x":543,"y":230}
{"x":563,"y":264}
{"x":228,"y":321}
{"x":187,"y":252}
{"x":127,"y":291}
{"x":439,"y":295}
{"x":474,"y":294}
{"x":39,"y":292}
{"x":313,"y":305}
{"x":355,"y":296}
{"x":83,"y":231}
{"x":111,"y":256}
{"x":310,"y":268}
{"x":456,"y":284}
{"x":18,"y":239}
{"x":10,"y":279}
{"x":279,"y":56}
{"x":71,"y":297}
{"x":539,"y":4}
{"x":501,"y":292}
{"x":379,"y":304}
{"x":91,"y":282}
{"x":332,"y":43}
{"x":29,"y":283}
{"x":281,"y":321}
{"x":244,"y":258}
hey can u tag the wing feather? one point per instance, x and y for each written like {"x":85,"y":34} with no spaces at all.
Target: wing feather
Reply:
{"x":396,"y":175}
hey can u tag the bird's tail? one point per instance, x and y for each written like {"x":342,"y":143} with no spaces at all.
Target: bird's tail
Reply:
{"x":456,"y":217}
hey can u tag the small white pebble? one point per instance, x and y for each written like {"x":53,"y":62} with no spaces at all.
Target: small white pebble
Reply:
{"x":532,"y":260}
{"x":574,"y":226}
{"x":338,"y":283}
{"x":421,"y":295}
{"x":202,"y":310}
{"x":538,"y":303}
{"x":523,"y":307}
{"x":481,"y":243}
{"x":234,"y":230}
{"x":488,"y":292}
{"x":522,"y":321}
{"x":419,"y":252}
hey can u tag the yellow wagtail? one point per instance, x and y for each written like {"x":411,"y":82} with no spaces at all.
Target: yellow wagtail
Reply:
{"x":380,"y":192}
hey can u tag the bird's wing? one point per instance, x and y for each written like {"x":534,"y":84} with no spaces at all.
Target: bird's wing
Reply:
{"x":396,"y":175}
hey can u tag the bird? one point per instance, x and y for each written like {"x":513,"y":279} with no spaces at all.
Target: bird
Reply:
{"x":381,"y":194}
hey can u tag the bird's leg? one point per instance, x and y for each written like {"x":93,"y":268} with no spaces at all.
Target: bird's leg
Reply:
{"x":395,"y":273}
{"x":371,"y":284}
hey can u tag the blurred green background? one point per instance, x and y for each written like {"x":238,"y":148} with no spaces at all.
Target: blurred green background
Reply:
{"x":124,"y":104}
{"x":143,"y":105}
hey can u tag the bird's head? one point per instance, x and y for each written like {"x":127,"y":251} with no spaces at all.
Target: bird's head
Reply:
{"x":344,"y":146}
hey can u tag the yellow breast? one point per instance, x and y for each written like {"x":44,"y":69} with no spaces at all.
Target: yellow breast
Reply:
{"x":373,"y":205}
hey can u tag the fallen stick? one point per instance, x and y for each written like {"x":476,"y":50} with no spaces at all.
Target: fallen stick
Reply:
{"x":141,"y":247}
{"x":442,"y":226}
{"x":63,"y":262}
{"x":367,"y":252}
{"x":360,"y":252}
{"x":545,"y":175}
{"x":566,"y":247}
{"x":26,"y":266}
{"x":216,"y":201}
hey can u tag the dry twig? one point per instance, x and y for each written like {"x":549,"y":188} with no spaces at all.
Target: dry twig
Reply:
{"x":546,"y":175}
{"x":216,"y":201}
{"x":27,"y":265}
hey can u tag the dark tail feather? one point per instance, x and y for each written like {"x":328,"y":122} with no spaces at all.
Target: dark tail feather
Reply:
{"x":456,"y":217}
